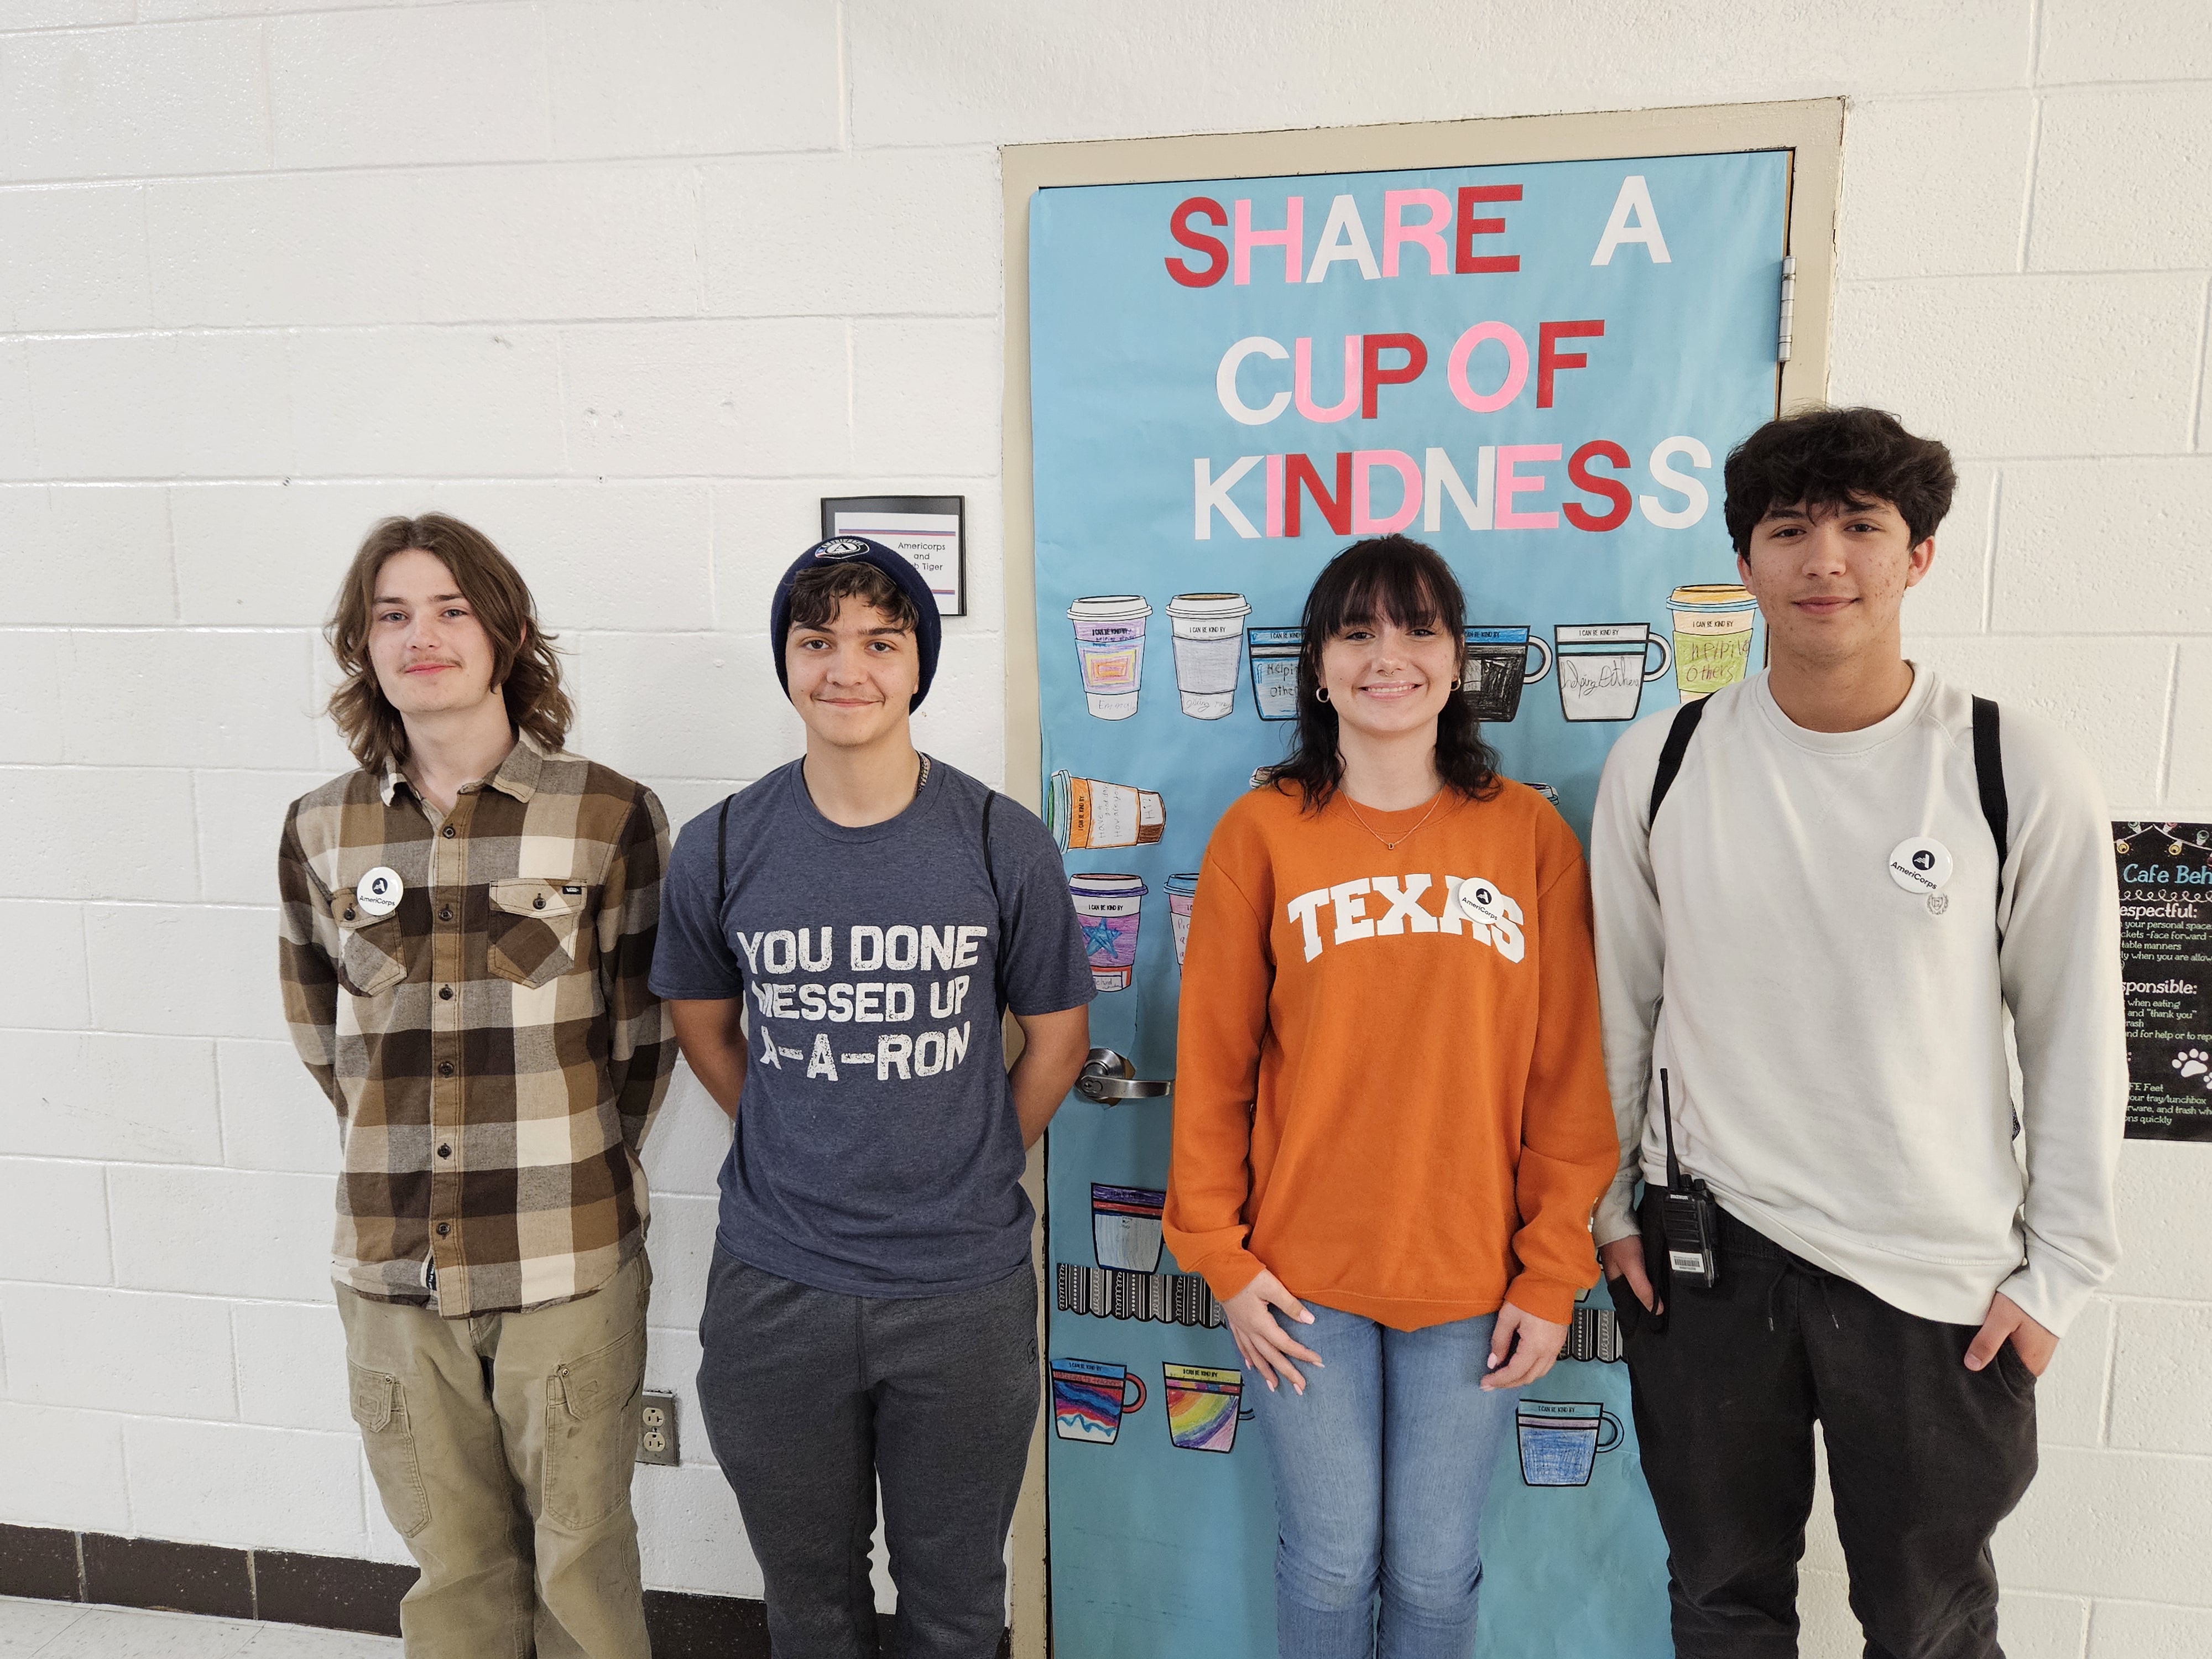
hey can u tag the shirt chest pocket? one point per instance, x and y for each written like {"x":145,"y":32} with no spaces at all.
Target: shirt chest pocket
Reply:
{"x":372,"y":950}
{"x":534,"y":930}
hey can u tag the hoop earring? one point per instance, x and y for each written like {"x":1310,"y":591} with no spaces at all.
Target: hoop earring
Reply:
{"x":1322,"y":695}
{"x":1455,"y":685}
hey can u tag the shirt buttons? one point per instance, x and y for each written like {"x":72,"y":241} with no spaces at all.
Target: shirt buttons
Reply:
{"x":445,"y":1068}
{"x":446,"y":913}
{"x":539,"y":904}
{"x":448,"y":832}
{"x":443,"y":1230}
{"x":445,"y":1151}
{"x":445,"y":994}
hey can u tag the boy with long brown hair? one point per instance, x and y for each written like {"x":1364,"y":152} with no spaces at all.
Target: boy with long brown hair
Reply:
{"x":468,"y":918}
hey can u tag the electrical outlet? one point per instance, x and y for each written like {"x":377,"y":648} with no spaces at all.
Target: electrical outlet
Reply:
{"x":657,"y":1444}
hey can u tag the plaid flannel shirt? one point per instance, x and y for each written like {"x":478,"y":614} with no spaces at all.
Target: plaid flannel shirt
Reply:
{"x":491,"y":1046}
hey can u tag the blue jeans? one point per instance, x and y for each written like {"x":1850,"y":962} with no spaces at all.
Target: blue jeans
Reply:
{"x":1381,"y":1468}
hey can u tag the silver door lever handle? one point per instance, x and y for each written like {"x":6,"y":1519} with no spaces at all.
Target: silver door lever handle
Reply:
{"x":1107,"y":1078}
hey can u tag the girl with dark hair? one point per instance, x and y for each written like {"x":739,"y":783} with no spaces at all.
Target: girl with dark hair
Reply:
{"x":1391,"y":1121}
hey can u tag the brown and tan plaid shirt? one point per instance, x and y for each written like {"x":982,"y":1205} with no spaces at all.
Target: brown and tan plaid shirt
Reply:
{"x":491,"y":1047}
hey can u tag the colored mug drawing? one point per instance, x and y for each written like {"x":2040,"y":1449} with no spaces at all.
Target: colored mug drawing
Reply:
{"x":1208,"y":630}
{"x":1274,"y":653}
{"x":1107,"y":907}
{"x":1087,"y":812}
{"x":1545,"y":790}
{"x":1497,"y":667}
{"x":1560,"y":1440}
{"x":1090,"y":1398}
{"x":1603,"y":667}
{"x":1162,"y":1298}
{"x":1125,"y":1227}
{"x":1109,"y":648}
{"x":1203,"y":1406}
{"x":1182,"y":892}
{"x":1712,"y":637}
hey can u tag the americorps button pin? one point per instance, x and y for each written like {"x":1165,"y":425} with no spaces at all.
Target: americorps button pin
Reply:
{"x":1478,"y":900}
{"x":1920,"y":864}
{"x":377,"y":893}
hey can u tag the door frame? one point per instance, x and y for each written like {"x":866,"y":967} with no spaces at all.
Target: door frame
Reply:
{"x":1811,"y":129}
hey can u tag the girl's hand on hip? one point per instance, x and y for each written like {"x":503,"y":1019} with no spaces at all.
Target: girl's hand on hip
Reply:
{"x":1267,"y":1347}
{"x":1540,"y":1340}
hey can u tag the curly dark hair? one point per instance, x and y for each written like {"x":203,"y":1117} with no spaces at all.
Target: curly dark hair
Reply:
{"x":817,"y":593}
{"x":1837,"y":458}
{"x":524,"y":665}
{"x":1407,"y":582}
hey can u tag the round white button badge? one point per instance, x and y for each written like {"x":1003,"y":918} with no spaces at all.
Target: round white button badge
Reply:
{"x":1920,"y":864}
{"x":377,"y":893}
{"x":1478,"y":900}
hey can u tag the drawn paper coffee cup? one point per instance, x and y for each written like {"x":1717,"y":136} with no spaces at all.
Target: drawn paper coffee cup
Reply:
{"x":1712,"y":637}
{"x":1203,"y":1406}
{"x":1497,"y":667}
{"x":1106,"y":904}
{"x":1109,"y":647}
{"x":1208,"y":629}
{"x":1083,"y":812}
{"x":1603,"y":666}
{"x":1125,"y":1227}
{"x":1274,"y":654}
{"x":1560,"y":1440}
{"x":1090,"y":1398}
{"x":1183,"y":891}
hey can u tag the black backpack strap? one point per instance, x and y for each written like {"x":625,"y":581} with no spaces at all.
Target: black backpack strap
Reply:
{"x":1990,"y":780}
{"x":999,"y":956}
{"x":722,"y":858}
{"x":1670,"y":758}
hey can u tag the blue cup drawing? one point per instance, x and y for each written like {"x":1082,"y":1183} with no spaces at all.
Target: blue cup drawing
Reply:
{"x":1090,"y":1398}
{"x":1560,"y":1440}
{"x":1497,"y":667}
{"x":1273,"y":653}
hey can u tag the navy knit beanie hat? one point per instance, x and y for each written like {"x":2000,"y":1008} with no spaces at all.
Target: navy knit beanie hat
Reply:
{"x":859,"y":549}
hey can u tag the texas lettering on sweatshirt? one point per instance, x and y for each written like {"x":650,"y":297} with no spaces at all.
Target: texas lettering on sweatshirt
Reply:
{"x":1390,"y":1090}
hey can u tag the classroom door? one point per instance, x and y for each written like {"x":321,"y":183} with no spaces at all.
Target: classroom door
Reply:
{"x":1536,"y":368}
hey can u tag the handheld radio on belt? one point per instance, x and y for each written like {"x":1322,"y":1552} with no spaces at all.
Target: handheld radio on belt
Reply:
{"x":1687,"y":1213}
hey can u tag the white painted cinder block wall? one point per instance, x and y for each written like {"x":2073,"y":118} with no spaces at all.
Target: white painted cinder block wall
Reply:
{"x":631,"y":285}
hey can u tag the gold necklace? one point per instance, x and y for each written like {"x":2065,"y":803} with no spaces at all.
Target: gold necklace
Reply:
{"x":1392,"y":846}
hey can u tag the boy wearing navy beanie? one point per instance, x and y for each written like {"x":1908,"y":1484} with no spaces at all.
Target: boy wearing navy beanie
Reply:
{"x":871,"y":1310}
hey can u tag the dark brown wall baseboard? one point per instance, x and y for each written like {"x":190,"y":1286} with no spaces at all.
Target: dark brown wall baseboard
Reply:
{"x":334,"y":1592}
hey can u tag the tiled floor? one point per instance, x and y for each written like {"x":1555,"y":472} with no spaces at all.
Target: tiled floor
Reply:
{"x":65,"y":1630}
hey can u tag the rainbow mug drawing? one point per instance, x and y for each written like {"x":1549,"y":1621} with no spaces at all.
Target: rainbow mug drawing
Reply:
{"x":1712,"y":637}
{"x":1274,"y":654}
{"x":1109,"y":647}
{"x":1208,"y":630}
{"x":1090,"y":1398}
{"x":1182,"y":893}
{"x":1560,"y":1440}
{"x":1497,"y":667}
{"x":1125,"y":1226}
{"x":1107,"y":905}
{"x":1603,"y":667}
{"x":1203,"y":1405}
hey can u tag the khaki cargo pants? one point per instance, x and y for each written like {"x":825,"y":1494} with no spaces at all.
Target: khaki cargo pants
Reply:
{"x":503,"y":1447}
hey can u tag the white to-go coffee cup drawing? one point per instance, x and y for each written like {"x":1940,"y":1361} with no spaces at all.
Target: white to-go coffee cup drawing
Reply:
{"x":1603,"y":666}
{"x":1087,"y":812}
{"x":1109,"y":649}
{"x":1208,"y":630}
{"x":1560,"y":1440}
{"x":1125,"y":1226}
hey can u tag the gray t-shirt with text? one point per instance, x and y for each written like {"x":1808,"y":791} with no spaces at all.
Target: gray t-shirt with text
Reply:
{"x":876,"y":1153}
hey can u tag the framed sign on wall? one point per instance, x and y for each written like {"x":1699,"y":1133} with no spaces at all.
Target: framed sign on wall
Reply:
{"x":930,"y":532}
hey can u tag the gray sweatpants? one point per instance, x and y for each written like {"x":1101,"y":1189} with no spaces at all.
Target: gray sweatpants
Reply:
{"x":811,"y":1398}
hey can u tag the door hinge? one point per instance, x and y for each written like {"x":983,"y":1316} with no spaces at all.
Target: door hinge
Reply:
{"x":1789,"y":307}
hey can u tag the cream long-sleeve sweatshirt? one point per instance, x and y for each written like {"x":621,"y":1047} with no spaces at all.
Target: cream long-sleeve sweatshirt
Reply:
{"x":1835,"y":1044}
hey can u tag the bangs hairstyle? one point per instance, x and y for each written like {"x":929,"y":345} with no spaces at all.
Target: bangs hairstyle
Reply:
{"x":819,"y":590}
{"x":1845,"y":459}
{"x":524,"y":665}
{"x":1386,"y":579}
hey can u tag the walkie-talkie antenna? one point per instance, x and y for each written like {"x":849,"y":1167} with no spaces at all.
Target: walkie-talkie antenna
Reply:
{"x":1666,"y":1116}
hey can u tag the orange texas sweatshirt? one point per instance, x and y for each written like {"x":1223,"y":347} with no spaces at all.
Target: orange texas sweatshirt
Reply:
{"x":1394,"y":1101}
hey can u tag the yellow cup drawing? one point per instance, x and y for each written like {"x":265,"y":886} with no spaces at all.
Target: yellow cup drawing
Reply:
{"x":1712,"y":637}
